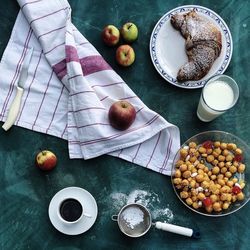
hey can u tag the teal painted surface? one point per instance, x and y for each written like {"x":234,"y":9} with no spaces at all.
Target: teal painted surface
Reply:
{"x":25,"y":192}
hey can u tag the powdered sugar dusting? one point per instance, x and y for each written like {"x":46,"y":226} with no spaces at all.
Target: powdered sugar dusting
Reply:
{"x":148,"y":199}
{"x":132,"y":216}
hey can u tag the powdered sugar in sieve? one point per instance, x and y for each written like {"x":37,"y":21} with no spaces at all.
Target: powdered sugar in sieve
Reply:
{"x":132,"y":216}
{"x":134,"y":220}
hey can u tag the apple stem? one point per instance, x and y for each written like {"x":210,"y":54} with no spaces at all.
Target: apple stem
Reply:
{"x":130,"y":26}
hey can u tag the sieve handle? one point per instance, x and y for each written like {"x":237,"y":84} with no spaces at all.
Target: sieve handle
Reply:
{"x":114,"y":217}
{"x":177,"y":229}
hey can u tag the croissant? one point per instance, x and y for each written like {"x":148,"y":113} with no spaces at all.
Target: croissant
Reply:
{"x":203,"y":44}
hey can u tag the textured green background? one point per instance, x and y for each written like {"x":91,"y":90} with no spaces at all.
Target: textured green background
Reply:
{"x":25,"y":192}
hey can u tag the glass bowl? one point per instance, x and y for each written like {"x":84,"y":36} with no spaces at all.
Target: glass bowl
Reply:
{"x":190,"y":186}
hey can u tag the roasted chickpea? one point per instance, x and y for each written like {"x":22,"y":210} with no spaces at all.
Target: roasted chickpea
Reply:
{"x":183,"y":153}
{"x":192,"y":184}
{"x":217,"y":207}
{"x":221,"y":182}
{"x":192,"y":145}
{"x":223,"y":145}
{"x":195,"y":205}
{"x":221,"y":158}
{"x":223,"y":196}
{"x":213,"y":177}
{"x":213,"y":198}
{"x":228,"y":174}
{"x":199,"y":177}
{"x":177,"y":173}
{"x":228,"y":164}
{"x":217,"y":144}
{"x":235,"y":179}
{"x":193,"y":159}
{"x":206,"y":169}
{"x":221,"y":164}
{"x":179,"y":163}
{"x":225,"y":205}
{"x":186,"y":174}
{"x":215,"y":170}
{"x":232,"y":169}
{"x":183,"y":167}
{"x":201,"y":196}
{"x":215,"y":162}
{"x":209,"y":151}
{"x":194,"y":198}
{"x":242,"y":185}
{"x":230,"y":183}
{"x":238,"y":151}
{"x":225,"y":189}
{"x":229,"y":158}
{"x":236,"y":164}
{"x":225,"y":152}
{"x":205,"y":184}
{"x":210,"y":158}
{"x":241,"y":168}
{"x":209,"y":209}
{"x":223,"y":170}
{"x":218,"y":151}
{"x":185,"y":182}
{"x":229,"y":197}
{"x":231,"y":146}
{"x":201,"y":166}
{"x":189,"y":201}
{"x":202,"y":150}
{"x":184,"y":194}
{"x":177,"y":181}
{"x":240,"y":196}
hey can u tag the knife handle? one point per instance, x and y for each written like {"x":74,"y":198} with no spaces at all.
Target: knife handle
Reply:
{"x":14,"y":109}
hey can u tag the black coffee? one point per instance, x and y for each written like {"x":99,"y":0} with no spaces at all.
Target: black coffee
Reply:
{"x":71,"y":210}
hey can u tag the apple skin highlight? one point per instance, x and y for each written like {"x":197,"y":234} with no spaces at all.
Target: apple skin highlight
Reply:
{"x":121,"y":115}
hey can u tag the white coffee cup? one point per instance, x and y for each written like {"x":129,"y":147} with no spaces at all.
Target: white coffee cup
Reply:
{"x":71,"y":210}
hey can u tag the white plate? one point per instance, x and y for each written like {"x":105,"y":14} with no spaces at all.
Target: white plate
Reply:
{"x":167,"y":47}
{"x":90,"y":207}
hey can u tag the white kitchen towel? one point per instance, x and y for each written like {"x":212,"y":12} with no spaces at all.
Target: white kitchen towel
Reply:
{"x":70,"y":88}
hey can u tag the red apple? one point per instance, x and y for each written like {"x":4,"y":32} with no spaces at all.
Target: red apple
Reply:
{"x":46,"y":160}
{"x":125,"y":55}
{"x":121,"y":115}
{"x":110,"y":35}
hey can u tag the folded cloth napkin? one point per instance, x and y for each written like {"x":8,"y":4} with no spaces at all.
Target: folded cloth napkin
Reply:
{"x":70,"y":89}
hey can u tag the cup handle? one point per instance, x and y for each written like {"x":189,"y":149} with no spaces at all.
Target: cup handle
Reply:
{"x":114,"y":217}
{"x":87,"y":215}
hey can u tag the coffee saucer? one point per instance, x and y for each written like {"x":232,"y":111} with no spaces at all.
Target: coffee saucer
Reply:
{"x":90,"y":207}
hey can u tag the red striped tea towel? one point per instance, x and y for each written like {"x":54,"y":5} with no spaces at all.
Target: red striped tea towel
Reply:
{"x":70,"y":88}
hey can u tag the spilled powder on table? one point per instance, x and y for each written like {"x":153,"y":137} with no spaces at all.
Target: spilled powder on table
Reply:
{"x":150,"y":200}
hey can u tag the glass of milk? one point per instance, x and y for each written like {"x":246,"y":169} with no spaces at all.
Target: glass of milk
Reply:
{"x":219,"y":94}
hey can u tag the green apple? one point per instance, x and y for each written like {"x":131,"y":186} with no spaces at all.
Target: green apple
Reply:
{"x":110,"y":35}
{"x":125,"y":55}
{"x":129,"y":32}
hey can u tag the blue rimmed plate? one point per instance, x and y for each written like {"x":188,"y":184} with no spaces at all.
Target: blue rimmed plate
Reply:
{"x":167,"y":47}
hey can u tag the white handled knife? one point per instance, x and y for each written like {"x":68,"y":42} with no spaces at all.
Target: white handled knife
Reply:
{"x":15,"y":105}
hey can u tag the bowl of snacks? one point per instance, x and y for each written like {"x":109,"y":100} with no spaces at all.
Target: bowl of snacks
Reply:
{"x":211,"y":173}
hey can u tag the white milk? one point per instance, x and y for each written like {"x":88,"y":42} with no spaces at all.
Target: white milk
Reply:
{"x":216,"y":98}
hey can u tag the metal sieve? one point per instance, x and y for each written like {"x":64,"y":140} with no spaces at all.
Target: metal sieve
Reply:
{"x":134,"y":220}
